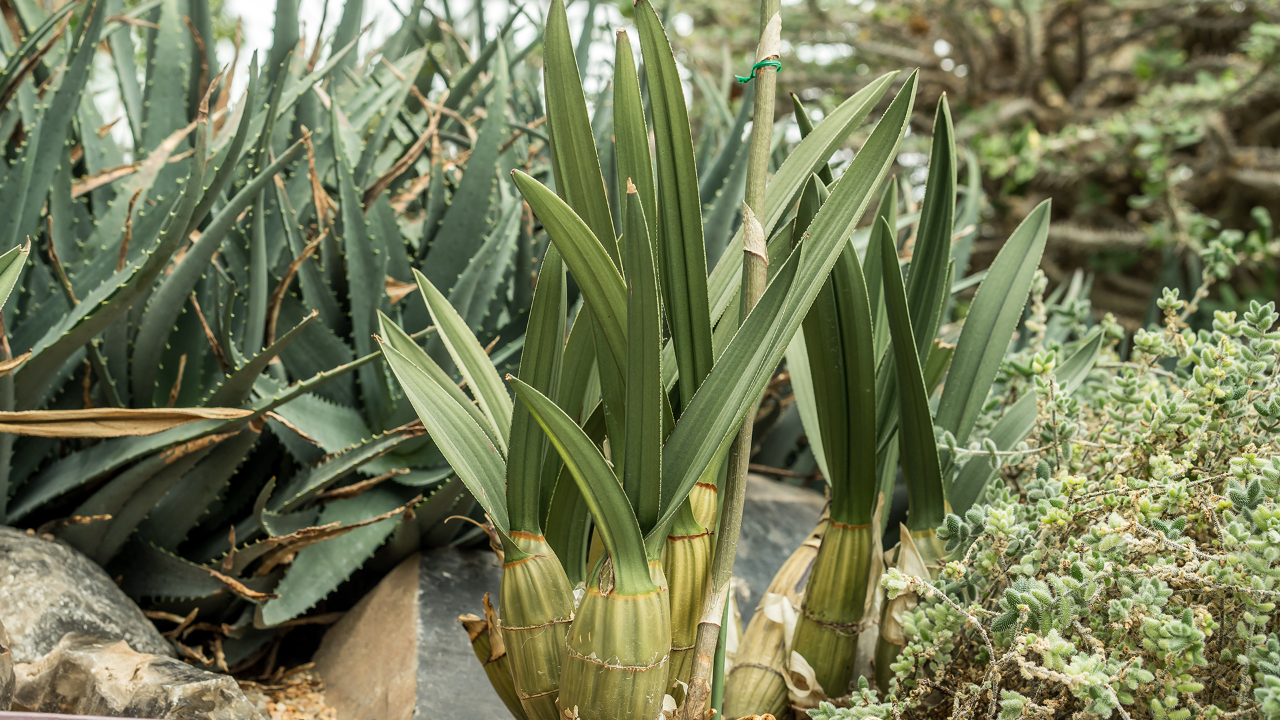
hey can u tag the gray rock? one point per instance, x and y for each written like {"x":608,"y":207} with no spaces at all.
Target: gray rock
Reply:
{"x":6,"y":671}
{"x":84,"y":675}
{"x":400,"y":653}
{"x":48,"y":589}
{"x":776,"y":518}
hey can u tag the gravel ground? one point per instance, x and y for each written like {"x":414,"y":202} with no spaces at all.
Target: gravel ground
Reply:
{"x":299,"y":697}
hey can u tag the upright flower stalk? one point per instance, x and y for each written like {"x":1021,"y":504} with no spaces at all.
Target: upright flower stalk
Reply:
{"x":755,"y":273}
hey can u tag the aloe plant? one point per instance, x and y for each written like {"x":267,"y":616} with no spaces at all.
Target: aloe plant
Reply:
{"x":236,"y":272}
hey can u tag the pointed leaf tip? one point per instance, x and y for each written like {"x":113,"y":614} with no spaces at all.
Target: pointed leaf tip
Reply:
{"x":631,"y":187}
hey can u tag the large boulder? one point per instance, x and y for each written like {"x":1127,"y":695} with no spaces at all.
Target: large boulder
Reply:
{"x":84,"y":675}
{"x":6,"y":671}
{"x":401,"y":653}
{"x":48,"y":589}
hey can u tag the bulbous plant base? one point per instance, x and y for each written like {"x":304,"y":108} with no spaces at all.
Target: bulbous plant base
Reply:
{"x":536,"y":604}
{"x":618,"y":652}
{"x":686,"y":562}
{"x":705,"y":501}
{"x":827,"y":629}
{"x":756,"y":685}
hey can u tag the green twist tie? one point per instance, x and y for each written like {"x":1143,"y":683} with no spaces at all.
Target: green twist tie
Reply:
{"x":757,"y":66}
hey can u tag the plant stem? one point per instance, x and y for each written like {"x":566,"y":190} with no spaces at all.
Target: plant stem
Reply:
{"x":755,"y":260}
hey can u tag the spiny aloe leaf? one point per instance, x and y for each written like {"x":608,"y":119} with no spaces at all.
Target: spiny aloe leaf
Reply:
{"x":149,"y":571}
{"x":179,"y":511}
{"x":451,"y":249}
{"x":366,"y":280}
{"x":320,"y":568}
{"x":168,"y":69}
{"x":96,"y":461}
{"x":129,"y":496}
{"x":11,"y":266}
{"x":167,"y":300}
{"x":109,"y":302}
{"x":23,"y":190}
{"x":236,"y":388}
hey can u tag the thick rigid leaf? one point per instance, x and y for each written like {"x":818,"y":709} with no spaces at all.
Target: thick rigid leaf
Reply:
{"x":366,"y":273}
{"x":108,"y":422}
{"x":989,"y":326}
{"x":23,"y":192}
{"x":236,"y":388}
{"x":540,"y":368}
{"x":678,"y":225}
{"x":471,"y":359}
{"x":744,"y":368}
{"x":779,"y":196}
{"x":577,"y":393}
{"x":935,"y":366}
{"x":464,"y":444}
{"x":931,"y":253}
{"x":919,"y":449}
{"x":185,"y":505}
{"x":315,"y":292}
{"x":149,"y":571}
{"x":309,"y":482}
{"x":167,"y":300}
{"x":631,"y":135}
{"x":96,"y":461}
{"x":138,"y":488}
{"x":466,"y":220}
{"x":164,"y":104}
{"x":713,"y":180}
{"x":591,"y":266}
{"x":113,"y":298}
{"x":614,"y":519}
{"x":320,"y":568}
{"x":1018,"y":422}
{"x":573,"y":148}
{"x":259,"y":293}
{"x":409,"y":66}
{"x":479,"y":282}
{"x":642,"y":463}
{"x":967,"y":216}
{"x":726,"y":207}
{"x":11,"y":264}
